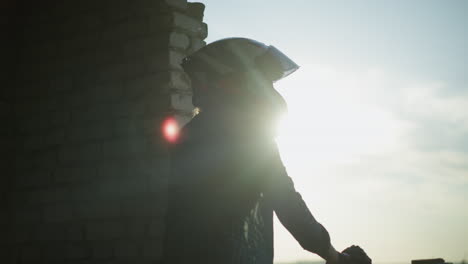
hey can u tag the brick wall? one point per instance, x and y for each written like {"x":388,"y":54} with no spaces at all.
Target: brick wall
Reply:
{"x":93,"y":82}
{"x":6,"y":115}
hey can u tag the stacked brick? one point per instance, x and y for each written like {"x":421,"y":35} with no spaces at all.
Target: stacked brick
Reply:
{"x":94,"y":81}
{"x":6,"y":114}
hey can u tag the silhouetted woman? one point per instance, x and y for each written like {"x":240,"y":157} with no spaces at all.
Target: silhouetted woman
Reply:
{"x":227,"y":177}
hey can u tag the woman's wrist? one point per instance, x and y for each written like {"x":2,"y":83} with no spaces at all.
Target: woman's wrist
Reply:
{"x":333,"y":256}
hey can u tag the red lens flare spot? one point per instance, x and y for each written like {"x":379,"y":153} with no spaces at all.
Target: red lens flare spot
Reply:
{"x":171,"y":129}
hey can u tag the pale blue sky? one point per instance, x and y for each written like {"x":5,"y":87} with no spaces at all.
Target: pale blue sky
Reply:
{"x":420,"y":36}
{"x":377,"y":134}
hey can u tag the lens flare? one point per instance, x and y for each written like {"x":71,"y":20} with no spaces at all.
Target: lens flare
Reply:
{"x":170,"y":129}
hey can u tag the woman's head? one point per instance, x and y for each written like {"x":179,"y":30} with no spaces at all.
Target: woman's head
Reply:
{"x":234,"y":78}
{"x":248,"y":97}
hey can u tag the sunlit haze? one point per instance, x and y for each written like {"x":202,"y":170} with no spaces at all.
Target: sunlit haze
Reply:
{"x":376,"y":137}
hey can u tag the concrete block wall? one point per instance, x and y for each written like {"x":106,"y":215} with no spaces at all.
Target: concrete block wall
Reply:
{"x":93,"y":81}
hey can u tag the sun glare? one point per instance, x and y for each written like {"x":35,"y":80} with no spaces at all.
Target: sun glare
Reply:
{"x":334,"y":122}
{"x":170,"y":130}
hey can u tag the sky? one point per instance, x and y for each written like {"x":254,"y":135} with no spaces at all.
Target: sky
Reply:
{"x":376,"y":136}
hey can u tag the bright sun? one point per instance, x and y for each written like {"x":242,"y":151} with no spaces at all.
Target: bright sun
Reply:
{"x":331,"y":120}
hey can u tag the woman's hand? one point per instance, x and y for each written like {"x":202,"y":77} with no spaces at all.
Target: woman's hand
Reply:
{"x":351,"y":255}
{"x":357,"y":255}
